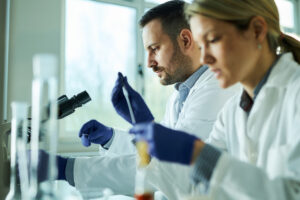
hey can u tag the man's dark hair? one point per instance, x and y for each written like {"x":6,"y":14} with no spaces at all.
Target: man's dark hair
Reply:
{"x":171,"y":15}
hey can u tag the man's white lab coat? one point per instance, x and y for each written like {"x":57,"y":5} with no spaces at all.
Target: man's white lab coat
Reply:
{"x":117,"y":171}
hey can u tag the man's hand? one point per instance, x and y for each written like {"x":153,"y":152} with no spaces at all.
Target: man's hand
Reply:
{"x":140,"y":109}
{"x":95,"y":132}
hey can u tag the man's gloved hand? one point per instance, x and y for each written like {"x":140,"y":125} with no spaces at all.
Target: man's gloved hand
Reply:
{"x":164,"y":143}
{"x":42,"y":169}
{"x":140,"y":109}
{"x":95,"y":132}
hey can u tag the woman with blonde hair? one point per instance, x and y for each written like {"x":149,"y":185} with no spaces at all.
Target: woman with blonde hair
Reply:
{"x":253,"y":151}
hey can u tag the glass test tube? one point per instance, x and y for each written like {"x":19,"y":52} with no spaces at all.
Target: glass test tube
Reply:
{"x":142,"y":190}
{"x":18,"y":153}
{"x":44,"y":130}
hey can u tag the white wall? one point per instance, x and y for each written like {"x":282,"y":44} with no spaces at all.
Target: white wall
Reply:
{"x":35,"y":27}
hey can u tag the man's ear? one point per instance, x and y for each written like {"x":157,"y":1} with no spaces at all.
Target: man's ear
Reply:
{"x":259,"y":27}
{"x":186,"y":39}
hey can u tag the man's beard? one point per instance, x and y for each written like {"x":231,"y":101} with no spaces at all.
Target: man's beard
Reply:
{"x":182,"y":65}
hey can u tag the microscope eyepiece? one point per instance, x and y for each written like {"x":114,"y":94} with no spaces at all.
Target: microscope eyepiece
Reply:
{"x":67,"y":106}
{"x":81,"y":99}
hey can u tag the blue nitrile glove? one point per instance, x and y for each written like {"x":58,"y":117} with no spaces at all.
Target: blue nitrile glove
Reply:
{"x":95,"y":132}
{"x":140,"y":109}
{"x":42,"y":168}
{"x":164,"y":143}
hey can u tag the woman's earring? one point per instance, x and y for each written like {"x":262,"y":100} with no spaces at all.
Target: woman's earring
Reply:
{"x":259,"y":46}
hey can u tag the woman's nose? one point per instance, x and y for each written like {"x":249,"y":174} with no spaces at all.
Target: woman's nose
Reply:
{"x":206,"y":58}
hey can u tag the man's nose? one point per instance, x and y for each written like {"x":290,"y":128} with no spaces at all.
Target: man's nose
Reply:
{"x":151,"y":62}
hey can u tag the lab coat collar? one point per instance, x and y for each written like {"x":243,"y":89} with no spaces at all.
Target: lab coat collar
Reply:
{"x":246,"y":102}
{"x":281,"y":72}
{"x":190,"y":82}
{"x":207,"y":74}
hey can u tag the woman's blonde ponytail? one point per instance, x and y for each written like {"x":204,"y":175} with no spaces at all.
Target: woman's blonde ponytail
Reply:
{"x":290,"y":44}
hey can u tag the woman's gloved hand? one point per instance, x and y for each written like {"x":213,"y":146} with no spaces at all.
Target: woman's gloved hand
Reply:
{"x":164,"y":143}
{"x":95,"y":132}
{"x":140,"y":109}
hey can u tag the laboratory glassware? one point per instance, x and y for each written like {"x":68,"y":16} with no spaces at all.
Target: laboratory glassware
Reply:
{"x":18,"y":162}
{"x":44,"y":131}
{"x":142,"y":189}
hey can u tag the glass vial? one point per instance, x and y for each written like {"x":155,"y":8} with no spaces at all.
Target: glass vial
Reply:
{"x":18,"y":165}
{"x":44,"y":126}
{"x":142,"y":189}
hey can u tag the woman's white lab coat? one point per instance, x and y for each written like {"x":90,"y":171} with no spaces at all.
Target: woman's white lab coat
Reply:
{"x":263,"y":148}
{"x":117,"y":171}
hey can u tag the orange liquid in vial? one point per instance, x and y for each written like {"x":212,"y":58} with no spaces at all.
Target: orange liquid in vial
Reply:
{"x":147,"y":196}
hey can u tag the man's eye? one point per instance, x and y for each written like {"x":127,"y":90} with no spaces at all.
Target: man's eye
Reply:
{"x":154,"y":49}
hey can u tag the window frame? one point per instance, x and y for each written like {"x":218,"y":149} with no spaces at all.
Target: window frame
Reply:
{"x":72,"y":144}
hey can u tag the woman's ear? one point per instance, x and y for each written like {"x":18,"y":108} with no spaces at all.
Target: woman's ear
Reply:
{"x":185,"y":39}
{"x":259,"y":27}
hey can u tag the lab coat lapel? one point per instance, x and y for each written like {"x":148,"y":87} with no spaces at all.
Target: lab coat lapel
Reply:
{"x":268,"y":97}
{"x":241,"y":128}
{"x":199,"y":83}
{"x":173,"y":117}
{"x":202,"y":80}
{"x":264,"y":106}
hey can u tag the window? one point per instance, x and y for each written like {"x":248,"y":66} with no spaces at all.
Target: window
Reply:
{"x":98,"y":44}
{"x":95,"y":52}
{"x":288,"y":15}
